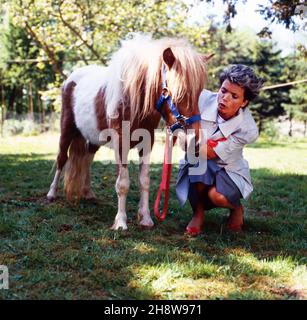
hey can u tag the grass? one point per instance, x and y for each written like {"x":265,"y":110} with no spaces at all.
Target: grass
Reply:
{"x":59,"y":251}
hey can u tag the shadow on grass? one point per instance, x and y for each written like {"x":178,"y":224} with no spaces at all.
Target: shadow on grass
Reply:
{"x":59,"y":251}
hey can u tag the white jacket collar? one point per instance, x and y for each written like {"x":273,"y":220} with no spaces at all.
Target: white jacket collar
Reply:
{"x":209,"y":113}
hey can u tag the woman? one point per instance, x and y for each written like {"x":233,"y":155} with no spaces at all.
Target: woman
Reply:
{"x":229,"y":126}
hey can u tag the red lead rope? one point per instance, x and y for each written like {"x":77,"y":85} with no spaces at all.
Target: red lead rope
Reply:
{"x":167,"y":171}
{"x":166,"y":178}
{"x":213,"y":143}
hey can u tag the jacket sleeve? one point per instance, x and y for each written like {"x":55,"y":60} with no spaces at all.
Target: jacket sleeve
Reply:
{"x":231,"y":149}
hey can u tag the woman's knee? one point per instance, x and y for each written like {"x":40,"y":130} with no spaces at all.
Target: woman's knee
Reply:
{"x":217,"y":198}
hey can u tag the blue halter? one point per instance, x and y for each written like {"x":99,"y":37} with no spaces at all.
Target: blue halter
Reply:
{"x":181,"y":121}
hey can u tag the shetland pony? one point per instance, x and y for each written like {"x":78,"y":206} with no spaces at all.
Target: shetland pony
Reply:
{"x":97,"y":98}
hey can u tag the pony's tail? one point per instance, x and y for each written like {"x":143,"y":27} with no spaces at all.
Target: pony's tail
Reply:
{"x":76,"y":169}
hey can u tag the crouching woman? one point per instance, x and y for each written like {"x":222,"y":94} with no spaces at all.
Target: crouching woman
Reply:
{"x":229,"y":126}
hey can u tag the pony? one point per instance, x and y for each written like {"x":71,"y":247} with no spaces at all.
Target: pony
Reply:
{"x":95,"y":99}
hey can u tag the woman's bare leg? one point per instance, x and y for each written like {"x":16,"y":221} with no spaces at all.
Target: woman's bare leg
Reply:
{"x":196,"y":224}
{"x":235,"y":220}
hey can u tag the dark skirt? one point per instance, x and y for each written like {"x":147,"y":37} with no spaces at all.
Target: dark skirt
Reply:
{"x":213,"y":176}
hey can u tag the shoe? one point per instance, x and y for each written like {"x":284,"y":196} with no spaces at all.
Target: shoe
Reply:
{"x":193,"y":231}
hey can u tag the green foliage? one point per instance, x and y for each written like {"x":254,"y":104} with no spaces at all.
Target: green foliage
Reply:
{"x":53,"y":37}
{"x":284,"y":12}
{"x":270,"y":66}
{"x":296,"y":106}
{"x":28,"y":127}
{"x":16,"y":75}
{"x":61,"y":35}
{"x":21,"y":127}
{"x":297,"y":109}
{"x":270,"y":132}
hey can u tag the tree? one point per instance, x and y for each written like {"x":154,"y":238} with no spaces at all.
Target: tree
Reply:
{"x":297,"y":109}
{"x":296,"y":68}
{"x":285,"y":12}
{"x":270,"y":66}
{"x":70,"y":33}
{"x":52,"y":37}
{"x":18,"y":78}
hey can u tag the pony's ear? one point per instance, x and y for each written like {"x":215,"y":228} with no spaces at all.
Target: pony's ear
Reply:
{"x":207,"y":57}
{"x":168,"y":57}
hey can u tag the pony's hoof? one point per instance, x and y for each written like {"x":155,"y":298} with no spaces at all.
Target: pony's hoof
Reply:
{"x":119,"y":225}
{"x":117,"y":228}
{"x":145,"y":222}
{"x":51,"y":198}
{"x":89,"y":196}
{"x":147,"y":226}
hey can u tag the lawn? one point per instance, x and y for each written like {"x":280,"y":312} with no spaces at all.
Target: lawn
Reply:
{"x":59,"y":251}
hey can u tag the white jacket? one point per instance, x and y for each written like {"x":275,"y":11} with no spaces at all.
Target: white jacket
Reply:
{"x":239,"y":131}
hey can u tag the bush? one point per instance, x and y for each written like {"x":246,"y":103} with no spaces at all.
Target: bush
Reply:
{"x":28,"y":127}
{"x":24,"y":127}
{"x":270,"y":131}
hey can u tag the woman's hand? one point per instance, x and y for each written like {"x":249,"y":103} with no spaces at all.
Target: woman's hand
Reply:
{"x":207,"y":152}
{"x":210,"y":153}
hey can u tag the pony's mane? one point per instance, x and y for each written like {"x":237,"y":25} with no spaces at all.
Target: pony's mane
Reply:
{"x":134,"y":75}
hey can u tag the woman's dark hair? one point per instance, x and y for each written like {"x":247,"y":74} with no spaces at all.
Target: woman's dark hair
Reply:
{"x":244,"y":77}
